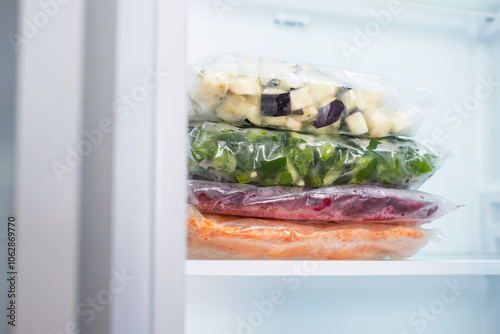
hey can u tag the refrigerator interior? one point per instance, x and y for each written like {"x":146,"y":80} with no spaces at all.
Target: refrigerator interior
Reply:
{"x":119,"y":210}
{"x":450,"y":48}
{"x":346,"y":304}
{"x":420,"y":47}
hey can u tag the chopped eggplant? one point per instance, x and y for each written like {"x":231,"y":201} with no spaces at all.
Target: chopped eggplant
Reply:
{"x":210,"y":90}
{"x":378,"y":122}
{"x":329,"y":114}
{"x":274,"y":121}
{"x":356,"y":124}
{"x":241,"y":89}
{"x":244,"y":85}
{"x":402,"y":123}
{"x":254,"y":99}
{"x":367,"y":100}
{"x":275,"y":105}
{"x":361,"y":99}
{"x":308,"y":114}
{"x":274,"y":90}
{"x":301,"y":98}
{"x":349,"y":100}
{"x":234,"y":109}
{"x":320,"y":92}
{"x":293,"y":124}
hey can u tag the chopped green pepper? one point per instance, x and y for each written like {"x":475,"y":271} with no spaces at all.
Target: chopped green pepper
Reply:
{"x":268,"y":157}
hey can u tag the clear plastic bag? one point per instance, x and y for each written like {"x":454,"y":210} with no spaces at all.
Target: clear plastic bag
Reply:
{"x":212,"y":236}
{"x":221,"y":152}
{"x":343,"y":204}
{"x":246,"y":90}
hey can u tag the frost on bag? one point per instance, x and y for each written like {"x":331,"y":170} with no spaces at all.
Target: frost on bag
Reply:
{"x":345,"y":204}
{"x":255,"y":91}
{"x":212,"y":236}
{"x":220,"y":152}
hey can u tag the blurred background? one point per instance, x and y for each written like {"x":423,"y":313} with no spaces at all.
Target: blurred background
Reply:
{"x":92,"y":165}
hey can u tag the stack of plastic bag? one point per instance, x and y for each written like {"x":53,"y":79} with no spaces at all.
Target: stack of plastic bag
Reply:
{"x":305,"y":162}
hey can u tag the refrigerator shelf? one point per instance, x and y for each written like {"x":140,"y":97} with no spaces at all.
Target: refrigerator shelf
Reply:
{"x":463,"y":264}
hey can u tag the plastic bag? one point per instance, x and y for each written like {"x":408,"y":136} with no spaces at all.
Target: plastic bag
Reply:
{"x":221,"y":152}
{"x":346,"y":204}
{"x":246,"y":90}
{"x":212,"y":236}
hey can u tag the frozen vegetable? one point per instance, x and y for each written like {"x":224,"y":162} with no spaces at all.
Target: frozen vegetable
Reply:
{"x":256,"y":91}
{"x":346,"y":204}
{"x":212,"y":236}
{"x":221,"y":152}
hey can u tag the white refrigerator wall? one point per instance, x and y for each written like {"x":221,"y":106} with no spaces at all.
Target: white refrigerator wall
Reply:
{"x":490,"y":205}
{"x":445,"y":51}
{"x":323,"y":305}
{"x":424,"y":48}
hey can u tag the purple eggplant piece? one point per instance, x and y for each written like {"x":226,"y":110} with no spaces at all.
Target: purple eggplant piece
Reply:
{"x":275,"y":105}
{"x":329,"y":114}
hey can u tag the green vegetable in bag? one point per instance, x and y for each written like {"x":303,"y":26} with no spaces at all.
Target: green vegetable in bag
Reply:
{"x":222,"y":152}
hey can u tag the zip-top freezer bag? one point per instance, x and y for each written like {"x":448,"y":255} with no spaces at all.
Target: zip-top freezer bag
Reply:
{"x":219,"y":237}
{"x":343,"y":204}
{"x":221,"y":152}
{"x":247,"y":90}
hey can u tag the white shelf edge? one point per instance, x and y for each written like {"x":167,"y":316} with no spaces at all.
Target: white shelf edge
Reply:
{"x":342,"y":268}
